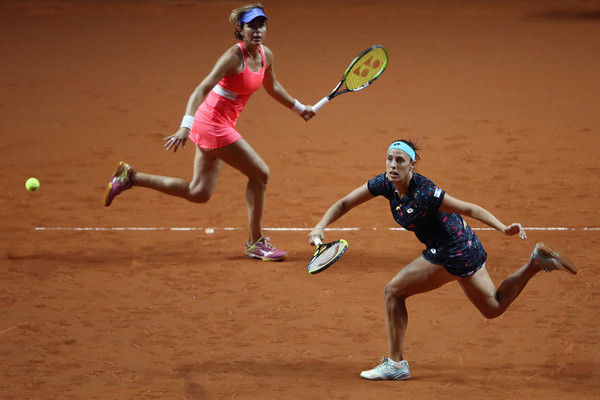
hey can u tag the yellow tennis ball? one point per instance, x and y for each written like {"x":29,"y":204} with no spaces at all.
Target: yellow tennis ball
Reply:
{"x":32,"y":184}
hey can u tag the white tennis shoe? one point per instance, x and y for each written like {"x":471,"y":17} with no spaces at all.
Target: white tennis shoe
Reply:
{"x":388,"y":370}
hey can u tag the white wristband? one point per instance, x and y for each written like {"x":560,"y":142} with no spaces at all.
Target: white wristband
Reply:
{"x":187,"y":122}
{"x":298,"y":107}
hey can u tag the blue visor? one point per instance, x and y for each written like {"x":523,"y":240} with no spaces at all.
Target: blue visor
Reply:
{"x":251,"y":14}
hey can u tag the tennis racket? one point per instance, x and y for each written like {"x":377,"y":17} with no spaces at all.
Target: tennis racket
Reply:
{"x":325,"y":255}
{"x":363,"y":70}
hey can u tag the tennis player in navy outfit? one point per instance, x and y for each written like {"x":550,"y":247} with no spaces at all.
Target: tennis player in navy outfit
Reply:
{"x":452,"y":250}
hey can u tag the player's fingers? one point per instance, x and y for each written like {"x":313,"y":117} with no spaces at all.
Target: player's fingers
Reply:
{"x":522,"y":233}
{"x":514,"y":229}
{"x":171,"y":142}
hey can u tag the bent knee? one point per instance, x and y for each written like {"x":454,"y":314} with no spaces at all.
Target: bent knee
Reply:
{"x":488,"y":305}
{"x":199,"y":196}
{"x":393,"y":292}
{"x":490,"y":313}
{"x":265,"y":175}
{"x":261,"y":177}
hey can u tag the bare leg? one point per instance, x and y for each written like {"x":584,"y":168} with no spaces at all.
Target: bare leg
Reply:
{"x":492,"y":303}
{"x":242,"y":157}
{"x":417,"y":277}
{"x":207,"y":169}
{"x":208,"y":165}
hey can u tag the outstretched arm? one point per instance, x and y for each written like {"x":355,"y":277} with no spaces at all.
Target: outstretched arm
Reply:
{"x":339,"y":208}
{"x":454,"y":205}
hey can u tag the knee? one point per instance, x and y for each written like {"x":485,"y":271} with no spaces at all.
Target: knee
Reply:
{"x":262,"y":177}
{"x":490,"y":314}
{"x":489,"y":306}
{"x":199,"y":196}
{"x":393,"y":292}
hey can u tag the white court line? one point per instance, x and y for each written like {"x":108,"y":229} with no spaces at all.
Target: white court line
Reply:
{"x":210,"y":230}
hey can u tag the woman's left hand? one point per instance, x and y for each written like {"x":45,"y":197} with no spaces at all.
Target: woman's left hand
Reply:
{"x":515,"y":228}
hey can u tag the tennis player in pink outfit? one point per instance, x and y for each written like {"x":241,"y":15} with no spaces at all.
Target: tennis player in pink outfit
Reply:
{"x":209,"y":122}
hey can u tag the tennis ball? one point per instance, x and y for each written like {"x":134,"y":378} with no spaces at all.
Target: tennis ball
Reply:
{"x":32,"y":184}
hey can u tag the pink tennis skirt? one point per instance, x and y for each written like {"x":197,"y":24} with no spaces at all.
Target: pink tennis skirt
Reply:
{"x":208,"y":135}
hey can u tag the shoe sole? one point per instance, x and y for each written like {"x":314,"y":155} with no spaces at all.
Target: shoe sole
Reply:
{"x":256,"y":257}
{"x":107,"y":202}
{"x":400,"y":378}
{"x":565,"y":262}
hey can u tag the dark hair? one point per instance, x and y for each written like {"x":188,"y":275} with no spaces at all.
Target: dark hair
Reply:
{"x":236,"y":14}
{"x":413,"y":145}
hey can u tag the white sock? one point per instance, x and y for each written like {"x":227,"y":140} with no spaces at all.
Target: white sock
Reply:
{"x":395,"y":363}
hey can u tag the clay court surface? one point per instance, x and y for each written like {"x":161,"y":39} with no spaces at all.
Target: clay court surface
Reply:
{"x":502,"y":97}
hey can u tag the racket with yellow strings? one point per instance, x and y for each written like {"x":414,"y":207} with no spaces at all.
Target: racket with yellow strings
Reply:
{"x":325,"y":255}
{"x":363,"y":70}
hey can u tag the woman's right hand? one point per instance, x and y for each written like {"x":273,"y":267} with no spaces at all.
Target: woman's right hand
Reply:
{"x":179,"y":137}
{"x":308,"y":113}
{"x":317,"y":232}
{"x":514,"y":229}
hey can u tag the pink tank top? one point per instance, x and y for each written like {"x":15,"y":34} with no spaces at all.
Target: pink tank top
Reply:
{"x":227,"y":99}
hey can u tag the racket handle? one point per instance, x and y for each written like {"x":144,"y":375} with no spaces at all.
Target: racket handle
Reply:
{"x":321,"y":103}
{"x":317,"y":241}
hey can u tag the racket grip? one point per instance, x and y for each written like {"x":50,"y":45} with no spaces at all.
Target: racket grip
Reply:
{"x":321,"y":103}
{"x":317,"y":241}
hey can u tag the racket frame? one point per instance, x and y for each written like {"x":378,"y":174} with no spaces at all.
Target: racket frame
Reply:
{"x":335,"y":92}
{"x":320,"y":244}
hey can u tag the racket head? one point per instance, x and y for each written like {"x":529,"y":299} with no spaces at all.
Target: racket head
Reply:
{"x":326,"y":255}
{"x":366,"y":68}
